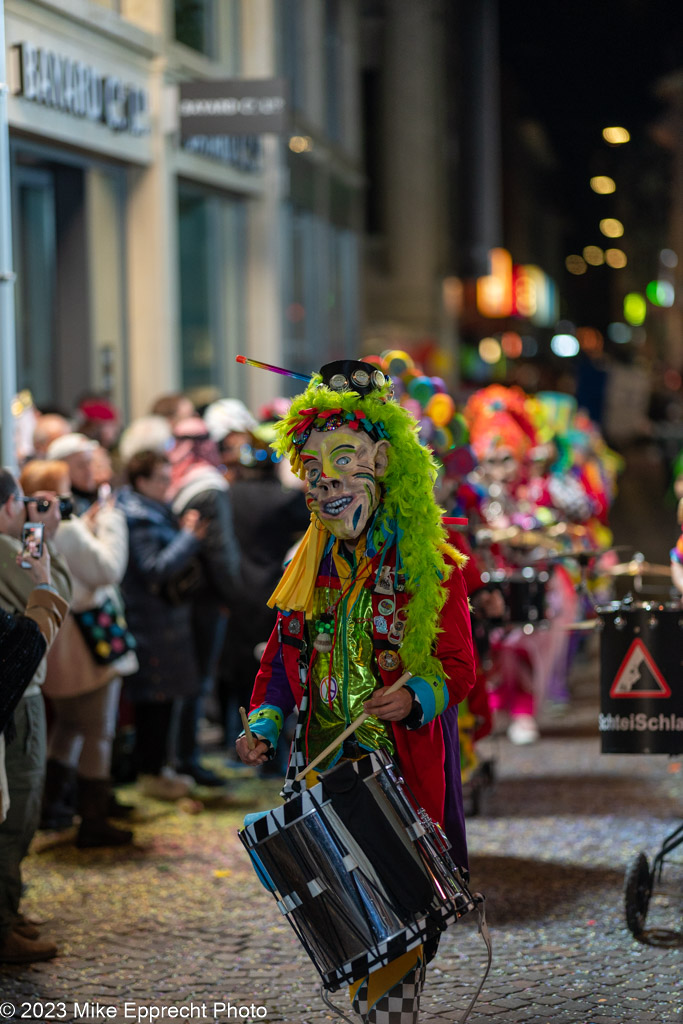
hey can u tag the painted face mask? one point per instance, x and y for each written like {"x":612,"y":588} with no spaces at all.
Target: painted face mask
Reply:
{"x":342,"y":470}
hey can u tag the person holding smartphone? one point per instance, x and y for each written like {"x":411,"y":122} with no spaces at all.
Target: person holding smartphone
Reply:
{"x":25,"y":755}
{"x":84,"y":692}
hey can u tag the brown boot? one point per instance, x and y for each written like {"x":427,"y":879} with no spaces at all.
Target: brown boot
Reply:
{"x":15,"y":949}
{"x":22,"y":926}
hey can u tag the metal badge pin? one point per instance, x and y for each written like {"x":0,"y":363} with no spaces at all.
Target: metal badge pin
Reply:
{"x":385,"y":606}
{"x":324,"y":643}
{"x":383,"y":584}
{"x":396,"y":633}
{"x":388,"y":660}
{"x":295,"y":627}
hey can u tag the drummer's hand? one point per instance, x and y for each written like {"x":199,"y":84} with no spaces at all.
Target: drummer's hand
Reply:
{"x":390,"y":707}
{"x":252,"y":757}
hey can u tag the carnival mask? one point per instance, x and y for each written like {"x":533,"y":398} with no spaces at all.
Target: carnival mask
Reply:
{"x":342,"y":471}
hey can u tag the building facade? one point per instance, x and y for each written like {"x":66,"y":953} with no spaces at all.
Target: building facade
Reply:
{"x":146,"y":261}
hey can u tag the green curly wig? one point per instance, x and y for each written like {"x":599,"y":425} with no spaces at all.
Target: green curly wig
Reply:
{"x":407,"y":507}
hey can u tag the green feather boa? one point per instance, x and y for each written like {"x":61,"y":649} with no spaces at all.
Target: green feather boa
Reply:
{"x":408,"y":510}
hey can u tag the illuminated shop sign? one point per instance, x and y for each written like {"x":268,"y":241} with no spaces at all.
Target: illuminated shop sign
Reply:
{"x":74,"y":87}
{"x":516,"y":290}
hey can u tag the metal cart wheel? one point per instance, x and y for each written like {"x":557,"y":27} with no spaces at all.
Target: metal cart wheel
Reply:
{"x":637,"y":892}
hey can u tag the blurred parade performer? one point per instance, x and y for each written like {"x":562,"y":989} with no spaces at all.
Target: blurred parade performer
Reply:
{"x":373,"y":591}
{"x":527,"y":654}
{"x":677,"y":553}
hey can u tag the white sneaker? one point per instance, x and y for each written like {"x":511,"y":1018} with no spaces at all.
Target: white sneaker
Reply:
{"x":170,"y":773}
{"x":523,"y":729}
{"x":161,"y":787}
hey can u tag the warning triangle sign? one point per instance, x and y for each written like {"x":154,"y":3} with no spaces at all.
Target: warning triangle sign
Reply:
{"x":638,"y":675}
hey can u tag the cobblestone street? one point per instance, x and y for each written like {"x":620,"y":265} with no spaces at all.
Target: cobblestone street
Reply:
{"x":181,"y":921}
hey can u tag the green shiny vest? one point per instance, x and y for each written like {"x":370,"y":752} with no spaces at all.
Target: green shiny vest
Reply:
{"x":342,"y":680}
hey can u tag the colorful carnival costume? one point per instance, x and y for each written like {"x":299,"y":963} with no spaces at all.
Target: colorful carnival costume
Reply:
{"x":677,"y":554}
{"x":372,"y":592}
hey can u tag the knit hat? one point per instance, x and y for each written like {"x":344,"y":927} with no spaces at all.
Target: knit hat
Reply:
{"x":70,"y":444}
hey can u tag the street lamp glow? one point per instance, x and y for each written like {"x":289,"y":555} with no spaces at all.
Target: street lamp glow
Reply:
{"x":619,"y":333}
{"x":611,"y":227}
{"x":615,"y":258}
{"x":616,"y":136}
{"x":594,"y":255}
{"x":576,"y":264}
{"x":635,"y":309}
{"x":603,"y":185}
{"x":661,"y":293}
{"x":490,"y":350}
{"x":565,"y":345}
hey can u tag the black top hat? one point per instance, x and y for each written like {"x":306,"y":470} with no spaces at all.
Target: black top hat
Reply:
{"x":353,"y":375}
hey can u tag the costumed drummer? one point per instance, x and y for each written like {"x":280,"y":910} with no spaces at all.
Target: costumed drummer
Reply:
{"x":373,"y":591}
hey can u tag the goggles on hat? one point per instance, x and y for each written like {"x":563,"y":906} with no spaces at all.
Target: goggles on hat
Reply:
{"x":353,"y":375}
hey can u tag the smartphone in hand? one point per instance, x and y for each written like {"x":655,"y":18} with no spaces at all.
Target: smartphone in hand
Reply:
{"x":32,"y":542}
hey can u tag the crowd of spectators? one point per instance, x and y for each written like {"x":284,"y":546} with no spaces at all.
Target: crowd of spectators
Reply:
{"x":144,"y":612}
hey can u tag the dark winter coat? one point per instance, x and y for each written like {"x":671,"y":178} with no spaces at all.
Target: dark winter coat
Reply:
{"x":206,"y":490}
{"x":268,"y":520}
{"x":158,"y":552}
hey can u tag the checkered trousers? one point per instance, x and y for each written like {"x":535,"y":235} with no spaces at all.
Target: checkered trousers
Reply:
{"x":400,"y":1005}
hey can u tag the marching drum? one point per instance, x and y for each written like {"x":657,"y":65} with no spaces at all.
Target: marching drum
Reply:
{"x":359,"y":870}
{"x":524,"y":591}
{"x":641,"y":678}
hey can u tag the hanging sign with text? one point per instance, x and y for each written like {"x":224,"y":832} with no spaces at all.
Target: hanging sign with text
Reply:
{"x":641,"y":679}
{"x":234,"y":106}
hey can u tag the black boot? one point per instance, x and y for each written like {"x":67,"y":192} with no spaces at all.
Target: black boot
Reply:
{"x":93,"y":803}
{"x":59,"y":796}
{"x":115,"y":809}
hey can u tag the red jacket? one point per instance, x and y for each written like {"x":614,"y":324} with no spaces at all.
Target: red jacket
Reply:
{"x":423,"y":757}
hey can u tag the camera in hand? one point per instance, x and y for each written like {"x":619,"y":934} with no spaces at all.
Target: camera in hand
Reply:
{"x":66,"y":507}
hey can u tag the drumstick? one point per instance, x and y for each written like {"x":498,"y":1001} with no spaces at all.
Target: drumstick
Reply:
{"x":247,"y":731}
{"x":349,"y":730}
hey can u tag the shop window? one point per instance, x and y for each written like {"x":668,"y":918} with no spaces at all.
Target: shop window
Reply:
{"x":195,"y":25}
{"x":320,"y":292}
{"x":212,"y":244}
{"x":290,"y":35}
{"x":333,"y":71}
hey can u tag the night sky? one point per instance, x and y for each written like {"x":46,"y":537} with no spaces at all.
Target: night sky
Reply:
{"x":577,"y":68}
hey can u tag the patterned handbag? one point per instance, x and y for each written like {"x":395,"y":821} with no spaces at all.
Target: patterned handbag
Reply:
{"x":105,"y":632}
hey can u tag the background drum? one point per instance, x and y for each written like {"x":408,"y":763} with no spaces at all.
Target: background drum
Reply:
{"x":524,"y":591}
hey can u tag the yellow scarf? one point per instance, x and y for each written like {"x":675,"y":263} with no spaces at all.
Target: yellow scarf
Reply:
{"x":294,"y":592}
